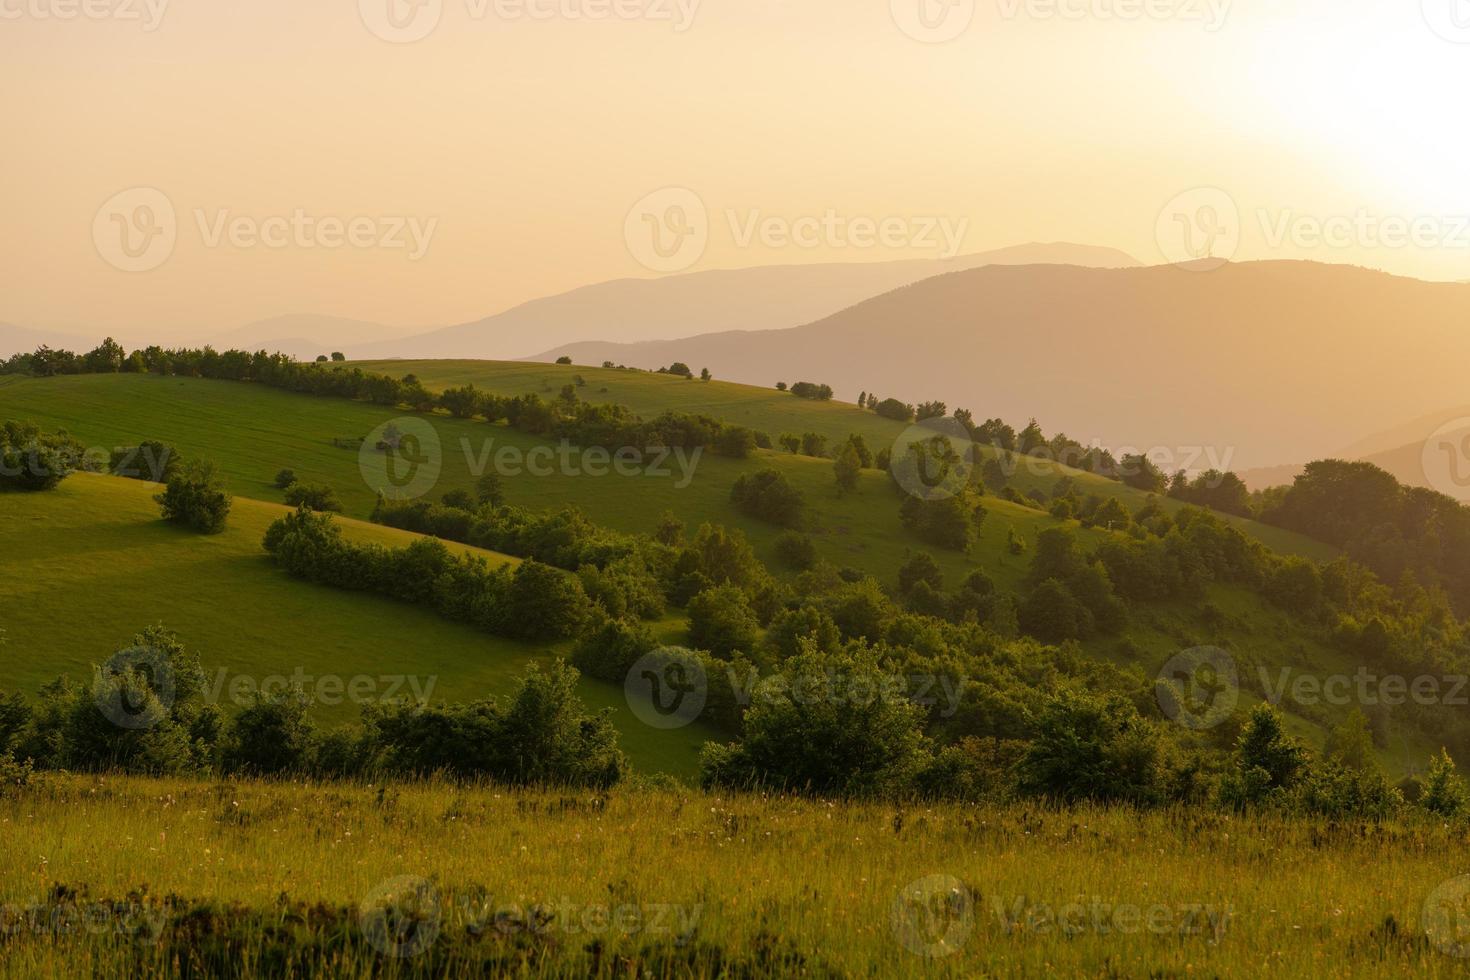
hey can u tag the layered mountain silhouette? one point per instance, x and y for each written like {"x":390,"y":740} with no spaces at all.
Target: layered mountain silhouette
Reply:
{"x":1260,"y":362}
{"x":761,"y":298}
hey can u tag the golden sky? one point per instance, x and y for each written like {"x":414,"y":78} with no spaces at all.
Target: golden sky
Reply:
{"x":497,"y":158}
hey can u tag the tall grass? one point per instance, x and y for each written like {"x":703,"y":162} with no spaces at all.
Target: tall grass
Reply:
{"x":129,"y":876}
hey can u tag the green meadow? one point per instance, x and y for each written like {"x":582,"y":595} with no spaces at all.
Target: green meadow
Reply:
{"x":184,"y":878}
{"x":90,"y":564}
{"x":251,"y":431}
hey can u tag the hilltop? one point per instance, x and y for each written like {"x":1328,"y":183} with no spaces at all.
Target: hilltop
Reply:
{"x":1263,"y":362}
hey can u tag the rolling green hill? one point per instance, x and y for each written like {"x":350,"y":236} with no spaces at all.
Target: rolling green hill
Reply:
{"x":252,"y":431}
{"x":90,"y":564}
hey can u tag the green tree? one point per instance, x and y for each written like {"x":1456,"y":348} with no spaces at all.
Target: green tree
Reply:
{"x":722,"y":621}
{"x":196,"y":497}
{"x":847,"y":470}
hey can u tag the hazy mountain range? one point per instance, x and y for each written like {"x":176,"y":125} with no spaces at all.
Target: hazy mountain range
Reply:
{"x":1258,"y":363}
{"x":620,"y":311}
{"x":761,"y":298}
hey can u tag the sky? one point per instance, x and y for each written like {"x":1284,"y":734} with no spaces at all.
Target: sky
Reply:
{"x":194,"y":165}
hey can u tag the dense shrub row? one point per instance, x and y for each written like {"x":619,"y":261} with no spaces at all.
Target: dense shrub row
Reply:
{"x":530,"y":602}
{"x":148,"y":712}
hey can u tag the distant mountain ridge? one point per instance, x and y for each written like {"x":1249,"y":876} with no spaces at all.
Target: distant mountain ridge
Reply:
{"x":1255,"y":362}
{"x":758,"y":298}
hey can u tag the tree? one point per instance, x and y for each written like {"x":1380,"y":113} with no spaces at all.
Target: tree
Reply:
{"x":1350,"y":743}
{"x":1051,"y":613}
{"x":272,"y":737}
{"x":321,"y":358}
{"x":1093,"y":748}
{"x":1444,"y":790}
{"x":1268,"y":762}
{"x":768,"y":495}
{"x":458,"y":499}
{"x":949,"y":522}
{"x":679,"y":368}
{"x":814,"y":444}
{"x":859,"y":445}
{"x":796,"y":551}
{"x":892,"y":408}
{"x":564,"y":359}
{"x":722,"y":622}
{"x":790,"y":443}
{"x":670,"y":530}
{"x":313,"y":496}
{"x":196,"y":497}
{"x":921,"y":567}
{"x":284,"y":479}
{"x":819,"y":727}
{"x":338,"y":356}
{"x":1140,"y":473}
{"x":488,"y":490}
{"x":704,"y":374}
{"x":847,"y":469}
{"x":545,"y":603}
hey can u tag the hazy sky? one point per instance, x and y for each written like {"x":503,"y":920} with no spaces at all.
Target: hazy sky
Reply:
{"x":318,"y":160}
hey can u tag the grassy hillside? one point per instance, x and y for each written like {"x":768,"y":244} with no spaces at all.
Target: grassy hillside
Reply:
{"x":90,"y":564}
{"x":252,"y":431}
{"x":672,"y":885}
{"x":769,"y":410}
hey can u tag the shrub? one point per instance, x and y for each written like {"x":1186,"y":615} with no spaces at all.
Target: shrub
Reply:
{"x":1093,"y":748}
{"x":285,"y":478}
{"x":722,"y":621}
{"x":768,"y":495}
{"x":313,"y":496}
{"x":195,"y":496}
{"x":853,"y":743}
{"x":796,"y":551}
{"x":33,"y":461}
{"x":272,"y":737}
{"x":151,"y":461}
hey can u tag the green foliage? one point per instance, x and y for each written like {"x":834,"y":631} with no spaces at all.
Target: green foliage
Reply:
{"x":1093,"y":748}
{"x":769,"y":496}
{"x":31,"y":460}
{"x":722,"y":621}
{"x":822,"y":726}
{"x":796,"y":551}
{"x":195,"y":496}
{"x":313,"y":496}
